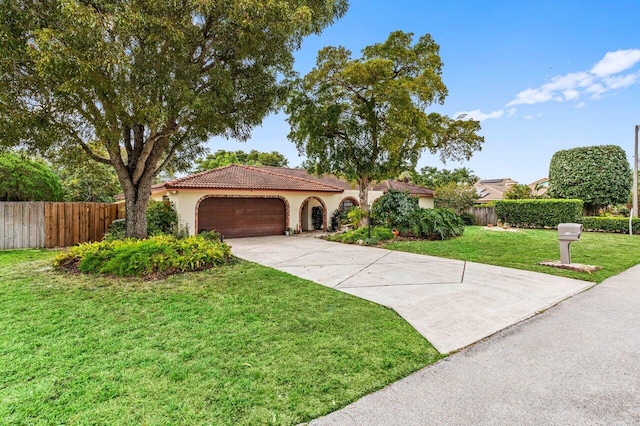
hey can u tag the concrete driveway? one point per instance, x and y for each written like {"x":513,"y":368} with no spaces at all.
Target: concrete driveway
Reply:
{"x":575,"y":364}
{"x":451,"y":303}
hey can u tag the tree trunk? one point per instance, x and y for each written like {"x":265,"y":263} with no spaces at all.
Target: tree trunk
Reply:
{"x":363,"y":188}
{"x":136,"y":200}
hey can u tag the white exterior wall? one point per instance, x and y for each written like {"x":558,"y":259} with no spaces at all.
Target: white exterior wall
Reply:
{"x":187,"y":200}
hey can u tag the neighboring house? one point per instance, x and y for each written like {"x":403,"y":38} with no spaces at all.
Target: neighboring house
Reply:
{"x":492,"y":189}
{"x":539,"y":187}
{"x":244,"y":201}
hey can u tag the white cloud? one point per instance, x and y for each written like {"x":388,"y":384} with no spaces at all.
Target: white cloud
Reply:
{"x":531,"y":116}
{"x":595,"y":82}
{"x":511,"y":112}
{"x":615,"y":62}
{"x":478,"y":115}
{"x":580,"y":105}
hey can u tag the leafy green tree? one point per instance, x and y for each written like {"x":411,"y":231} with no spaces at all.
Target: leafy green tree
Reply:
{"x":364,"y":119}
{"x":148,"y":81}
{"x":22,"y":179}
{"x":457,"y":197}
{"x":84,"y":180}
{"x":434,"y":178}
{"x":518,"y":191}
{"x":394,"y":209}
{"x":223,"y":158}
{"x":598,"y":175}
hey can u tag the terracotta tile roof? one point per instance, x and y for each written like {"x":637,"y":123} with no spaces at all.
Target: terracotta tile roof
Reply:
{"x":403,"y":186}
{"x":303,"y":174}
{"x":238,"y":176}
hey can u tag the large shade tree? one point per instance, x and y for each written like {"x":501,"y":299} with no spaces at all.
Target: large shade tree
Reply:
{"x":365,"y":119}
{"x":147,"y":80}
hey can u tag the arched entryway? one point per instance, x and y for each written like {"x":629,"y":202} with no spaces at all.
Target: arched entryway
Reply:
{"x":312,"y":207}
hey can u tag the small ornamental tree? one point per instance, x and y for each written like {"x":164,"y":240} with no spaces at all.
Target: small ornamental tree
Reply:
{"x":26,"y":180}
{"x":457,"y":197}
{"x":519,"y":191}
{"x":598,"y":175}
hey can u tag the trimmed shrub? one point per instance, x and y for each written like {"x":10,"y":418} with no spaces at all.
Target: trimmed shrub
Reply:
{"x":435,"y":224}
{"x":378,"y":234}
{"x":156,"y":256}
{"x":598,"y":175}
{"x":538,"y":213}
{"x":611,"y":224}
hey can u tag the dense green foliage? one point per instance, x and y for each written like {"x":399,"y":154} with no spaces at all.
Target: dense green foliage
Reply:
{"x":394,"y":209}
{"x":364,"y":119}
{"x":435,"y":224}
{"x":538,"y":213}
{"x":158,"y":255}
{"x":524,"y":248}
{"x":518,"y":191}
{"x":82,"y":180}
{"x":146,"y":81}
{"x":223,"y":158}
{"x":598,"y":175}
{"x":434,"y":178}
{"x":456,"y":196}
{"x":162,"y":219}
{"x":235,"y":345}
{"x":378,"y":235}
{"x":611,"y":224}
{"x":22,"y":179}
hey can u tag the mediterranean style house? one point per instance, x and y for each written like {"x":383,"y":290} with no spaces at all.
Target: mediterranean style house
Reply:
{"x":244,"y":201}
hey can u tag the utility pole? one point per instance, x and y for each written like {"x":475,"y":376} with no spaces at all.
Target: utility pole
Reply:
{"x":635,"y":176}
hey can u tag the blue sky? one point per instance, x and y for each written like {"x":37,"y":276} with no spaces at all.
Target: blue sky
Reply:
{"x":541,"y":76}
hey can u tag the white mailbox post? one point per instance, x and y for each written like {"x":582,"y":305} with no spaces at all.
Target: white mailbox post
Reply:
{"x":567,"y":233}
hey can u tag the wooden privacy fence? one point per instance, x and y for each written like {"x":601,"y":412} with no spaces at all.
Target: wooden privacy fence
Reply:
{"x":483,"y":215}
{"x":42,"y":224}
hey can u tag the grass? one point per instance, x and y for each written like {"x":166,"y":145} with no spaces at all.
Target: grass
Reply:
{"x":241,"y":344}
{"x":525,"y":248}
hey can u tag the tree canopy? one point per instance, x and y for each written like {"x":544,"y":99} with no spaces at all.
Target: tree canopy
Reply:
{"x":223,"y":158}
{"x":434,"y":178}
{"x":22,"y":179}
{"x":146,"y":81}
{"x":365,"y":120}
{"x":598,"y":175}
{"x":84,"y":180}
{"x":456,"y":196}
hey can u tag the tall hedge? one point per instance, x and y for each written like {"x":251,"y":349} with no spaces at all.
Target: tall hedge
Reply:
{"x":598,"y":175}
{"x":537,"y":213}
{"x":26,"y":180}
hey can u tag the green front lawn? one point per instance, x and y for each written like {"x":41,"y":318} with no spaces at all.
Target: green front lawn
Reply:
{"x":525,"y":248}
{"x":241,"y":344}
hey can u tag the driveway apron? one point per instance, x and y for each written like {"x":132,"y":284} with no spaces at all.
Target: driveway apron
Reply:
{"x":451,"y":303}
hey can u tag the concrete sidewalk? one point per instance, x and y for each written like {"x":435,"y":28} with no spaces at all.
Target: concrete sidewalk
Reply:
{"x":576,"y":364}
{"x":451,"y":303}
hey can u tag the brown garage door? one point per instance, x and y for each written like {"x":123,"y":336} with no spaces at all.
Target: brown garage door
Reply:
{"x":242,"y":217}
